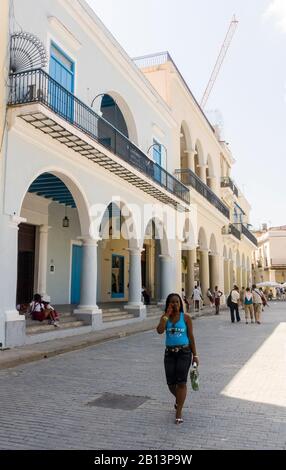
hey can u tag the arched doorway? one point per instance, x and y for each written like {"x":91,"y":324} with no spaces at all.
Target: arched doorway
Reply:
{"x":154,"y":258}
{"x":49,"y":246}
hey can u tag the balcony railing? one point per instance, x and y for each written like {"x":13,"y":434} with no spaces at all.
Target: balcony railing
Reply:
{"x":37,"y":86}
{"x":226,"y":182}
{"x":248,"y":234}
{"x":189,"y":178}
{"x":232,"y":230}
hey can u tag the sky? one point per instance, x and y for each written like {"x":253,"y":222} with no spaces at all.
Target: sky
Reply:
{"x":249,"y":95}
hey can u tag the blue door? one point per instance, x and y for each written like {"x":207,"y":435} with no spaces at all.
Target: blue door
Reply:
{"x":62,"y":71}
{"x":76,"y":273}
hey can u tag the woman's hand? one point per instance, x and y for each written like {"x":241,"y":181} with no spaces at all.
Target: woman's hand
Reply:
{"x":195,"y":360}
{"x":169,"y":310}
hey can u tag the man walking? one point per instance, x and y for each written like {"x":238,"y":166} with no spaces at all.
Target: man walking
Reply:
{"x":234,"y":302}
{"x":257,"y":303}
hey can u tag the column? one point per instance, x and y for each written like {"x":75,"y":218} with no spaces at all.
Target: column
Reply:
{"x":88,"y":309}
{"x":204,"y":272}
{"x":239,"y":276}
{"x":214,"y":271}
{"x":244,"y":278}
{"x":43,"y":259}
{"x":12,"y":325}
{"x":226,"y":263}
{"x":135,"y":283}
{"x":190,"y":159}
{"x":167,"y":280}
{"x":231,"y":276}
{"x":203,"y":175}
{"x":191,"y":260}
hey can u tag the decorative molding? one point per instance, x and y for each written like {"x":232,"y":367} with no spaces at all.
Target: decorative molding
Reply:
{"x":64,"y":32}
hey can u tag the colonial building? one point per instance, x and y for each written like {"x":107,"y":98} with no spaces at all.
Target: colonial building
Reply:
{"x":113,"y":177}
{"x":269,"y":259}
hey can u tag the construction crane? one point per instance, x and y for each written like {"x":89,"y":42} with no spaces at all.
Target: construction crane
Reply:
{"x":221,"y":56}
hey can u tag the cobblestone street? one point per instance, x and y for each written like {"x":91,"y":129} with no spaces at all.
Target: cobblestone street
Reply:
{"x":241,"y":403}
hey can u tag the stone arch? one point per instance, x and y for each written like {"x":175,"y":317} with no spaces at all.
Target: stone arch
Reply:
{"x":213,"y":244}
{"x":199,"y":159}
{"x":185,"y":144}
{"x":202,"y":239}
{"x":160,"y":233}
{"x":210,"y":174}
{"x":128,"y":227}
{"x":188,"y":236}
{"x":126,"y":112}
{"x":76,"y":191}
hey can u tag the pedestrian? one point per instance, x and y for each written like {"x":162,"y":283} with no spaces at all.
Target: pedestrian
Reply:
{"x":241,"y":296}
{"x":146,"y":296}
{"x":217,"y":295}
{"x":197,"y":298}
{"x":180,"y":350}
{"x":210,"y":296}
{"x":234,"y":302}
{"x":257,"y":303}
{"x":248,"y":305}
{"x":185,"y":300}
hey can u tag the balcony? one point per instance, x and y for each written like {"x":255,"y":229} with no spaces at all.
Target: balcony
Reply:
{"x":231,"y":230}
{"x":49,"y":107}
{"x":189,"y":178}
{"x":248,"y":234}
{"x":226,"y":182}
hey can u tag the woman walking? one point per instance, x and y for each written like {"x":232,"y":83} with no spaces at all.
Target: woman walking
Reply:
{"x":180,"y":350}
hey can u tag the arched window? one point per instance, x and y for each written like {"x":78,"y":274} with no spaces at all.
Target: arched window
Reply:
{"x":111,"y":112}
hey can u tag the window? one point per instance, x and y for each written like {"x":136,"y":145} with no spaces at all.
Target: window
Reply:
{"x":62,"y":71}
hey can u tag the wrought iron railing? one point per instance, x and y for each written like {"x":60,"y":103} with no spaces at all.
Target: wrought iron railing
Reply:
{"x":189,"y":178}
{"x":152,"y":60}
{"x":226,"y":182}
{"x":232,"y":230}
{"x":37,"y":86}
{"x":248,"y":234}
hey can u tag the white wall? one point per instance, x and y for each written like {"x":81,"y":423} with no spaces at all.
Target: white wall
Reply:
{"x":59,"y":252}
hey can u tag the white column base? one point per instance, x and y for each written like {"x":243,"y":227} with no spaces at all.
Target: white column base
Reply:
{"x":15,"y":329}
{"x":90,"y":314}
{"x":138,"y":309}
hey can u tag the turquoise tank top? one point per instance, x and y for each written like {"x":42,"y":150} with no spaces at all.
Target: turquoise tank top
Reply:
{"x":177,"y":333}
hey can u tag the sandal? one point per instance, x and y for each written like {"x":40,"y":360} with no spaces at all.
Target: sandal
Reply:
{"x":179,"y":421}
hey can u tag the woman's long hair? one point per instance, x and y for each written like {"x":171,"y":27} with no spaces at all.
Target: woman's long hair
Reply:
{"x":168,"y":301}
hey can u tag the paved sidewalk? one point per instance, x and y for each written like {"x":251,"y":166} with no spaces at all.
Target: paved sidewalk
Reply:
{"x":35,"y":352}
{"x":241,"y":404}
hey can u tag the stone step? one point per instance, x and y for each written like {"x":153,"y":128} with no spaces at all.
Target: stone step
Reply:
{"x":44,"y":328}
{"x":124,"y":316}
{"x":63,"y":319}
{"x":113,"y":314}
{"x":115,"y":309}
